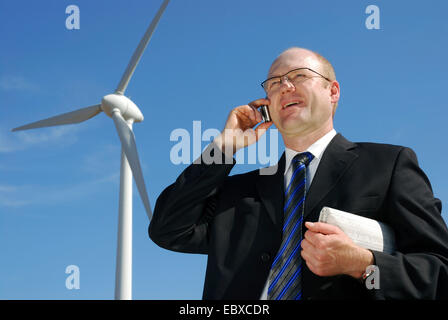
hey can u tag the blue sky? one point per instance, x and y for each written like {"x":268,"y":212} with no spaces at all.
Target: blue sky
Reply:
{"x":59,"y":186}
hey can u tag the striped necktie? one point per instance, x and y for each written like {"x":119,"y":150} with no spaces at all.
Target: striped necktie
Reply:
{"x":285,"y":281}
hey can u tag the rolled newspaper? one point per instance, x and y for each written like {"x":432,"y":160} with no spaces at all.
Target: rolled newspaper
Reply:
{"x":365,"y":232}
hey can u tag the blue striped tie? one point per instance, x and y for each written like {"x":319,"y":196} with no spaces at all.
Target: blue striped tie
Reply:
{"x":285,"y":281}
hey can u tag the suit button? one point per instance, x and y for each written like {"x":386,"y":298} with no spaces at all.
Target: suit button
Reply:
{"x":265,"y":257}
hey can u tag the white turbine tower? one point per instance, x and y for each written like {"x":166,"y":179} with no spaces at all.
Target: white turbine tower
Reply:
{"x":124,"y":113}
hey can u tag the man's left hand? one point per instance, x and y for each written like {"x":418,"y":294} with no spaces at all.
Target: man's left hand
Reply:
{"x":328,"y":251}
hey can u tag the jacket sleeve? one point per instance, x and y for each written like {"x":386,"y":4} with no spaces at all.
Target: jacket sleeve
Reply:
{"x":184,"y":209}
{"x":419,"y":268}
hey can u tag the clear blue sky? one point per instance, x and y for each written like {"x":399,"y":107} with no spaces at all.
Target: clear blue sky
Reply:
{"x":59,"y":186}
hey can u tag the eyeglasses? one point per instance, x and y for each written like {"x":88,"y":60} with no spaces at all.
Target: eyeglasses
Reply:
{"x":295,"y":76}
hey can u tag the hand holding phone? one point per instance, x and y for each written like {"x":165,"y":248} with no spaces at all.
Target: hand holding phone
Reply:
{"x":244,"y":126}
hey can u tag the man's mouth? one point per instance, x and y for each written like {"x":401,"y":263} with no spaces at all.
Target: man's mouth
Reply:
{"x":291,"y":104}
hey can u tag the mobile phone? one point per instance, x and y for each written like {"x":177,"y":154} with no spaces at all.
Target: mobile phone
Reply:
{"x":264,"y":110}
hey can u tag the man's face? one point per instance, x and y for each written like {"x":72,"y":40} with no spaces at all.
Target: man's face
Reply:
{"x":313,"y":110}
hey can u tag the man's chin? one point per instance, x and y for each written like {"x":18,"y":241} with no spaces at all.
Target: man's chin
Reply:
{"x":292,"y":124}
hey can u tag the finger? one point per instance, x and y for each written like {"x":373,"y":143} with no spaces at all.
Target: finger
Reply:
{"x":305,"y":255}
{"x":322,"y":227}
{"x":257,"y":114}
{"x":314,"y":268}
{"x":309,"y":235}
{"x":259,"y":102}
{"x":308,"y":260}
{"x":246,"y":117}
{"x":316,"y":239}
{"x":306,"y":246}
{"x":248,"y":111}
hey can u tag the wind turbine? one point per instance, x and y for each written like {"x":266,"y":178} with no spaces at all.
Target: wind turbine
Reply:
{"x":124,"y":112}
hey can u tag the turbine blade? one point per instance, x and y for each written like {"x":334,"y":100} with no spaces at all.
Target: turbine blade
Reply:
{"x":65,"y":118}
{"x":139,"y":51}
{"x":130,"y":149}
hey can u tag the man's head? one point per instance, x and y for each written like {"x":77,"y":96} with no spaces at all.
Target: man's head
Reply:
{"x":306,"y":102}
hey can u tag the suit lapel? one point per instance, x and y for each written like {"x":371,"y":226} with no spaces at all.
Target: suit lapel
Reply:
{"x":335,"y":161}
{"x":271,"y":189}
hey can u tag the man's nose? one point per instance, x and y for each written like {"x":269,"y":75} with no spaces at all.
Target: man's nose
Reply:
{"x":286,"y":86}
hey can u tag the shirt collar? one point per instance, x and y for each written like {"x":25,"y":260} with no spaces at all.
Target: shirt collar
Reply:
{"x":316,"y":149}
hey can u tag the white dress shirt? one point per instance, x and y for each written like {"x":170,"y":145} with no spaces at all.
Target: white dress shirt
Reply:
{"x":316,"y":149}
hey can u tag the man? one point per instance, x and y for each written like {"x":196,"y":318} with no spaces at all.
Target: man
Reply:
{"x":241,"y":221}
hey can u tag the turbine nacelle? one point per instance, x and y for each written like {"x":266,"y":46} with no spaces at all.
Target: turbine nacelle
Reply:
{"x":126,"y":106}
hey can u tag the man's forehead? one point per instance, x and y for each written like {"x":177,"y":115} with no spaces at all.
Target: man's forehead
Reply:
{"x":293,"y":59}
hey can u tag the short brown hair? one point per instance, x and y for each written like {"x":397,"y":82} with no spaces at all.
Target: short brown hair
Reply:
{"x":327,"y":67}
{"x":328,"y":71}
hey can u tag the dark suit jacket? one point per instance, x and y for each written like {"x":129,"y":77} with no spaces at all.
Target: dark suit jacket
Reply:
{"x":237,"y":220}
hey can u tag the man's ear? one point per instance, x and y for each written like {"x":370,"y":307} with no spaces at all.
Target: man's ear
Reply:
{"x":335,"y":91}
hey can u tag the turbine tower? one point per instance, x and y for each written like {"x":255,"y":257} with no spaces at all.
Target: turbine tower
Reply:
{"x":124,"y":112}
